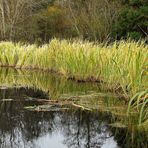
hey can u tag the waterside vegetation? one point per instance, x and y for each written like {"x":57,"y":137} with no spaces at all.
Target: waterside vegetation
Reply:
{"x":122,"y":65}
{"x":60,"y":92}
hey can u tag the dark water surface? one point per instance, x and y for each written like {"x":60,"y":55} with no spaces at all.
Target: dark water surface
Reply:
{"x":72,"y":128}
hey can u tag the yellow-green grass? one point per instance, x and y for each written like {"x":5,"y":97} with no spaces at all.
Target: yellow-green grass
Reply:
{"x":123,"y":64}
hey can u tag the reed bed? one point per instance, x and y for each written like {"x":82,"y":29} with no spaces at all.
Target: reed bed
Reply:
{"x":122,"y":65}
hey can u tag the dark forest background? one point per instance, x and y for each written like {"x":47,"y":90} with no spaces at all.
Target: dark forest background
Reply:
{"x":94,"y":20}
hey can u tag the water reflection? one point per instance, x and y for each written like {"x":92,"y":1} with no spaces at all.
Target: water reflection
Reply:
{"x":74,"y":128}
{"x":55,"y":86}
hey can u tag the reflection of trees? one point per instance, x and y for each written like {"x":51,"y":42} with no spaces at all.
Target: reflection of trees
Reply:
{"x":9,"y":121}
{"x":21,"y":93}
{"x":85,"y":130}
{"x":80,"y":129}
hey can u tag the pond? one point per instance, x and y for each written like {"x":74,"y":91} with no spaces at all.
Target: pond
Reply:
{"x":42,"y":110}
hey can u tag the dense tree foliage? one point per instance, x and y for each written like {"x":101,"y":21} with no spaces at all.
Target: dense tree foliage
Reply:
{"x":98,"y":20}
{"x":133,"y":20}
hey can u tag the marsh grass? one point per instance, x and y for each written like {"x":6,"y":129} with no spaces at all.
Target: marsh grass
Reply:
{"x":139,"y":102}
{"x":122,"y":65}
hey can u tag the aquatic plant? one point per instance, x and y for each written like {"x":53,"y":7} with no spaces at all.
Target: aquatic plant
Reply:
{"x":139,"y":102}
{"x":122,"y":65}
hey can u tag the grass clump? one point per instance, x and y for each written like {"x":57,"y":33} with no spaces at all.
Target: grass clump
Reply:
{"x":139,"y":102}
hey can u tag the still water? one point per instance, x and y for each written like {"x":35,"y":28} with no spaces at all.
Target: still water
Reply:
{"x":72,"y":128}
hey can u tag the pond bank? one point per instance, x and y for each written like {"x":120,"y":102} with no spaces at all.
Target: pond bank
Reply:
{"x":122,"y":66}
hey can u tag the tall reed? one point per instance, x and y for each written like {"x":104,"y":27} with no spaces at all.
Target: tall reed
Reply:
{"x":124,"y":63}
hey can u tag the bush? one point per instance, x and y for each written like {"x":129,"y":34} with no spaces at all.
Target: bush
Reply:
{"x":132,"y":21}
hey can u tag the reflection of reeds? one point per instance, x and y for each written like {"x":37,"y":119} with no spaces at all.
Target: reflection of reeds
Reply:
{"x":55,"y":86}
{"x":87,"y":96}
{"x":122,"y":64}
